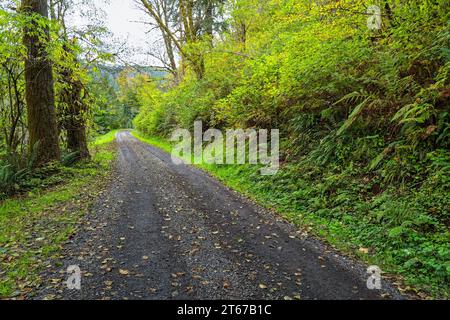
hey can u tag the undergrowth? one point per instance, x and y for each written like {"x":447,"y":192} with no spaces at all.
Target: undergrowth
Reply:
{"x":402,"y":228}
{"x":34,"y":225}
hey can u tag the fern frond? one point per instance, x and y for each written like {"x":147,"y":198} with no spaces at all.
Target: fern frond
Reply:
{"x":353,"y":97}
{"x":353,"y":116}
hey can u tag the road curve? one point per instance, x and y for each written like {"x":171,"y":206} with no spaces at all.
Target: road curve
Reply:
{"x":164,"y":231}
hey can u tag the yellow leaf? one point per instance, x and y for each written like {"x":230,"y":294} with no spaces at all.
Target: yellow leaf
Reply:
{"x":124,"y":272}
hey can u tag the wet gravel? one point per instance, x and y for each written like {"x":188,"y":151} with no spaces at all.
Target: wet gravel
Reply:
{"x":164,"y":231}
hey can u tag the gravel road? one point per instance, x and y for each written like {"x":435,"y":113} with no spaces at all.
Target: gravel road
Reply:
{"x":164,"y":231}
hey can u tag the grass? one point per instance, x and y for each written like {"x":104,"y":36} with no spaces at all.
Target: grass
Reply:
{"x":33,"y":227}
{"x":403,"y":230}
{"x":105,"y":139}
{"x":158,"y":142}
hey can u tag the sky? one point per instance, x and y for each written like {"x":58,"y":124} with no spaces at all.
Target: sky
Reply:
{"x":121,"y":18}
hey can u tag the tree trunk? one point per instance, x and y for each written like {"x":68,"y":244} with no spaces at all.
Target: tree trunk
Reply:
{"x":74,"y":114}
{"x":71,"y":107}
{"x":76,"y":139}
{"x":209,"y":19}
{"x":39,"y":87}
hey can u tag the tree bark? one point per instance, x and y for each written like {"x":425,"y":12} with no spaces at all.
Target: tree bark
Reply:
{"x":71,"y":105}
{"x":74,"y":112}
{"x":40,"y":87}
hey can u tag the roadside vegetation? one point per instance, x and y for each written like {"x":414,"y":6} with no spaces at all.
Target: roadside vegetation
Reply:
{"x":361,"y":101}
{"x":53,"y":107}
{"x":35,"y":225}
{"x":363,"y":114}
{"x":57,"y":90}
{"x":351,"y":219}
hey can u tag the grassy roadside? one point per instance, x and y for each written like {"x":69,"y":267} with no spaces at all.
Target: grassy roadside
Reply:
{"x":33,"y":227}
{"x":398,"y":229}
{"x":104,"y":139}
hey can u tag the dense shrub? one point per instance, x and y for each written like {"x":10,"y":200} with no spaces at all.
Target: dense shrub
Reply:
{"x":364,"y":117}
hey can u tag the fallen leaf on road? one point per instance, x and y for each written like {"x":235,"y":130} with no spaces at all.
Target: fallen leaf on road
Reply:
{"x":124,"y":272}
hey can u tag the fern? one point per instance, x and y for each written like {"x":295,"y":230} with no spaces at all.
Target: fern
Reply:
{"x":69,"y":159}
{"x":376,"y":162}
{"x":353,"y":116}
{"x":11,"y":177}
{"x":353,"y":97}
{"x":415,"y":113}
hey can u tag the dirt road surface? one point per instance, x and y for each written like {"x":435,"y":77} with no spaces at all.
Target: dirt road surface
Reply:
{"x":164,"y":231}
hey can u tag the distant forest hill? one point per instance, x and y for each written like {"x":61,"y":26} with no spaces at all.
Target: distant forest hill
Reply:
{"x":111,"y":73}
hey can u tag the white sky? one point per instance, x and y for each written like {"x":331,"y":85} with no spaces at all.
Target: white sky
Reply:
{"x":121,"y":17}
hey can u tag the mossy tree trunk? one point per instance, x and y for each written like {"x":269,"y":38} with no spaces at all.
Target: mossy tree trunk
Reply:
{"x":42,"y":126}
{"x":73,"y":110}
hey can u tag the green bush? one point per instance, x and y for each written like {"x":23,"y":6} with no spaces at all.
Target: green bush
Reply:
{"x":364,"y":117}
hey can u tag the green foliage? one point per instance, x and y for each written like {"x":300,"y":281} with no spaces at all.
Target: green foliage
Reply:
{"x":364,"y":117}
{"x":404,"y":230}
{"x":17,"y":175}
{"x":104,"y":139}
{"x":75,"y":54}
{"x":318,"y":62}
{"x":15,"y":172}
{"x":70,"y":159}
{"x":10,"y":178}
{"x":34,"y":227}
{"x":119,"y":93}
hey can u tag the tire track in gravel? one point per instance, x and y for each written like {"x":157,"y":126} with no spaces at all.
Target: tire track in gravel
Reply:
{"x":164,"y":231}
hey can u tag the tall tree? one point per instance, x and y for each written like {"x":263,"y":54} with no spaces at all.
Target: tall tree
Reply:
{"x":39,"y":84}
{"x":185,"y":24}
{"x":163,"y":12}
{"x":72,"y":107}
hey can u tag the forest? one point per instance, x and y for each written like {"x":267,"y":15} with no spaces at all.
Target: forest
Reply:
{"x":361,"y":98}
